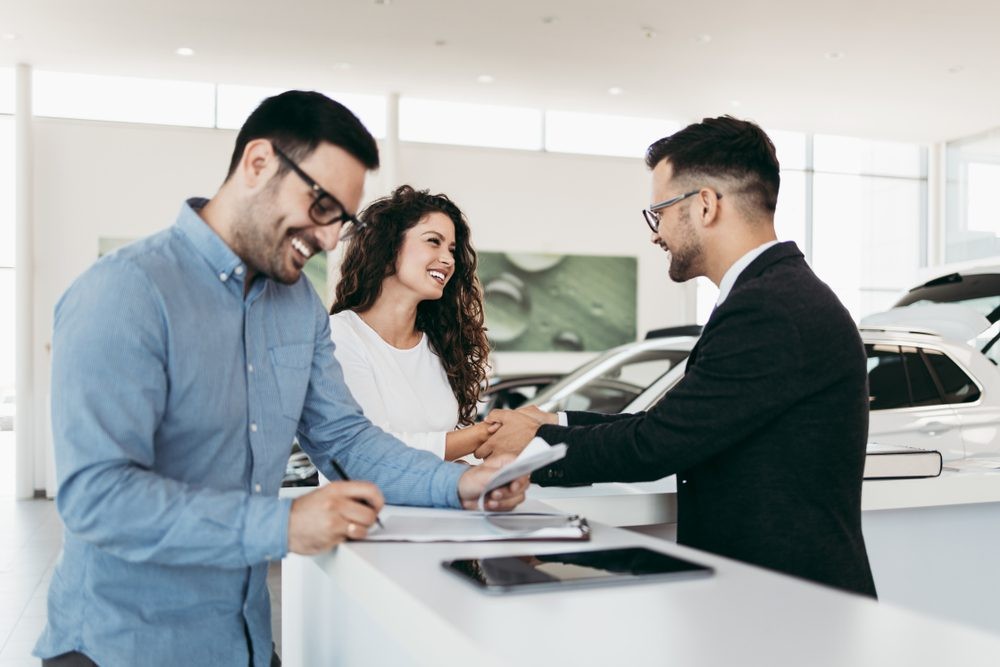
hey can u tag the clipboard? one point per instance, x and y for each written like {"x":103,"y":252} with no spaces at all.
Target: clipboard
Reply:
{"x":419,"y":524}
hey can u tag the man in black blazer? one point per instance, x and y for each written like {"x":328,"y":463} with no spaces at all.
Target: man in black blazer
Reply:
{"x":767,"y":430}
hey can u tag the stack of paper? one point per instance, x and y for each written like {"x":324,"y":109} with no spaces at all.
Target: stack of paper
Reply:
{"x":417,"y":524}
{"x":420,"y":524}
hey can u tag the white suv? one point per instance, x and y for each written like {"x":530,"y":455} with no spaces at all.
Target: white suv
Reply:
{"x":928,"y":386}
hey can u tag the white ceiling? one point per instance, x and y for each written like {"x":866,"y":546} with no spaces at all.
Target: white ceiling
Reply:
{"x":922,"y":70}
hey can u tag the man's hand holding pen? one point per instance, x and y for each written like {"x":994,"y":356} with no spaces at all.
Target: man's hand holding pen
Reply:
{"x":335,"y":512}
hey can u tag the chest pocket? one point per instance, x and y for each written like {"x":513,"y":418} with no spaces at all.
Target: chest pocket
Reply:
{"x":292,"y":365}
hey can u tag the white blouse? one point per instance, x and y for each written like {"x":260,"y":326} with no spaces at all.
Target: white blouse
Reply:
{"x":403,"y":392}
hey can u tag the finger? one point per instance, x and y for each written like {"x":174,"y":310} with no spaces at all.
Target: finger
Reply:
{"x":356,"y":512}
{"x":356,"y":531}
{"x":492,"y":427}
{"x":484,"y":450}
{"x":360,"y":491}
{"x":498,"y":415}
{"x":506,"y":504}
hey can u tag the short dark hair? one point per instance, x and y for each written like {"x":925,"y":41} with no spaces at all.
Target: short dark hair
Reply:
{"x":297,"y":121}
{"x":724,"y":147}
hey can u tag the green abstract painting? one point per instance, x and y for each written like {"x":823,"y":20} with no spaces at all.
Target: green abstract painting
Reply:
{"x":542,"y":303}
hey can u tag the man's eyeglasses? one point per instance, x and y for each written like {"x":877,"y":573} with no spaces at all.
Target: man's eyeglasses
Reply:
{"x":325,"y":209}
{"x":652,"y":215}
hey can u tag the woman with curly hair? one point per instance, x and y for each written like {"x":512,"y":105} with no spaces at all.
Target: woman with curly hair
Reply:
{"x":407,"y":323}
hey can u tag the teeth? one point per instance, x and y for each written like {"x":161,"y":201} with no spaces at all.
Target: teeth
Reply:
{"x":302,"y":247}
{"x":437,"y":275}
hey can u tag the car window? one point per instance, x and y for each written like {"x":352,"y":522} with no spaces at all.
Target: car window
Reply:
{"x":617,"y":386}
{"x":923,"y":391}
{"x":887,"y":385}
{"x":956,"y":385}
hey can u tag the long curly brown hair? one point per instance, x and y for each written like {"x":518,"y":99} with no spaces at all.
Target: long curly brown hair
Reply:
{"x":453,"y":323}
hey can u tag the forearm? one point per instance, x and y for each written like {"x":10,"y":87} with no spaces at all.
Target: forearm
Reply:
{"x":465,"y":441}
{"x":140,"y":516}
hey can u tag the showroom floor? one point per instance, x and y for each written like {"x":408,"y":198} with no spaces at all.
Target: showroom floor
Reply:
{"x":30,"y":539}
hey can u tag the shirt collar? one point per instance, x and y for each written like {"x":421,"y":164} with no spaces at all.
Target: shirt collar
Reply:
{"x":728,"y":280}
{"x":219,"y":256}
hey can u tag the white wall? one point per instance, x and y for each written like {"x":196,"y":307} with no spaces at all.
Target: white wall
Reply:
{"x":94,"y":179}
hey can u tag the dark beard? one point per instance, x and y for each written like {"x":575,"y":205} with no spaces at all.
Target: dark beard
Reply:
{"x":682,"y":264}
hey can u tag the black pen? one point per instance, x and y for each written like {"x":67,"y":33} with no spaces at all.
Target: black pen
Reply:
{"x":343,"y":476}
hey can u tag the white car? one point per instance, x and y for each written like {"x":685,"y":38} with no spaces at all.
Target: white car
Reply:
{"x":930,"y":386}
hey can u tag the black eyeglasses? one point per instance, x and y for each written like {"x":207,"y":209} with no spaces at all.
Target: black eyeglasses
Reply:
{"x":652,"y":216}
{"x":325,"y":209}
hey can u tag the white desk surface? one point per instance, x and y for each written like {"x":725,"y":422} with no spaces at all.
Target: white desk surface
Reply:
{"x":741,"y":616}
{"x":645,"y":503}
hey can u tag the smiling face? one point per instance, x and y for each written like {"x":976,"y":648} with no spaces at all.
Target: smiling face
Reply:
{"x":426,"y":259}
{"x":677,"y":235}
{"x":275,"y":234}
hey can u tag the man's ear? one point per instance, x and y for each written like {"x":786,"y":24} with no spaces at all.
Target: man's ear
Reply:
{"x":258,"y":164}
{"x":708,"y":203}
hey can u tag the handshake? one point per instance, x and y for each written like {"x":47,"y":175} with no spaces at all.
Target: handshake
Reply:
{"x":509,"y":431}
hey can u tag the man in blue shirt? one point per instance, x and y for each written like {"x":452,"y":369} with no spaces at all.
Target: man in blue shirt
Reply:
{"x":183,"y":366}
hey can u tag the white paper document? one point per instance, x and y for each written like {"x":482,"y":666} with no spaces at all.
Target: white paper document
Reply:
{"x":537,"y":454}
{"x":421,"y":524}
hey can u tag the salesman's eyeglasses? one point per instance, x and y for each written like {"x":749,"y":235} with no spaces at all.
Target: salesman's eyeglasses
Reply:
{"x":652,"y":215}
{"x":325,"y":209}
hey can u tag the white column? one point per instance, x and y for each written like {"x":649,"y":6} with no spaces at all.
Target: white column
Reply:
{"x":24,"y":290}
{"x":390,"y":147}
{"x":937,"y":178}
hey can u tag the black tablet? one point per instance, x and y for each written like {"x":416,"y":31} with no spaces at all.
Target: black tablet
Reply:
{"x":576,"y":568}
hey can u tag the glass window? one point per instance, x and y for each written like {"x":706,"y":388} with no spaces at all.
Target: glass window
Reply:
{"x":923,"y":391}
{"x":7,"y":317}
{"x":7,"y":90}
{"x":123,"y":99}
{"x":848,"y":155}
{"x":887,"y":386}
{"x":791,"y":149}
{"x":957,"y":386}
{"x":867,"y":237}
{"x":7,"y":186}
{"x":234,"y":104}
{"x":790,"y":216}
{"x":972,"y":213}
{"x":432,"y":121}
{"x":601,"y":134}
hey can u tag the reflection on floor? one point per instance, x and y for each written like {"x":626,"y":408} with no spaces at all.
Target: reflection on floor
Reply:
{"x":30,"y":540}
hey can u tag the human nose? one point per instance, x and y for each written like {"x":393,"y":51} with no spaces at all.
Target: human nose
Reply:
{"x":328,"y":236}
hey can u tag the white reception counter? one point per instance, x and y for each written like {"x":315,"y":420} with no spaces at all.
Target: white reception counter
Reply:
{"x":393,"y":604}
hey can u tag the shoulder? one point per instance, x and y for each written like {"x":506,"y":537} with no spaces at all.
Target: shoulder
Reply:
{"x":344,"y":326}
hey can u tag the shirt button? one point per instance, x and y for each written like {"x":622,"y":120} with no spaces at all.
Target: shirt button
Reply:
{"x":250,"y":368}
{"x":239,"y":270}
{"x":223,"y":277}
{"x":253,"y":427}
{"x":256,"y":488}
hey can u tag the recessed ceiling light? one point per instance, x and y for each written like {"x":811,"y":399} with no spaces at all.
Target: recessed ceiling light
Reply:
{"x":185,"y":51}
{"x":484,"y":78}
{"x":383,"y":2}
{"x":440,"y":42}
{"x":955,"y":69}
{"x":10,"y":36}
{"x":735,"y":104}
{"x":703,"y":38}
{"x":834,"y":55}
{"x":615,"y":90}
{"x":342,"y":65}
{"x":648,"y":32}
{"x":549,"y":20}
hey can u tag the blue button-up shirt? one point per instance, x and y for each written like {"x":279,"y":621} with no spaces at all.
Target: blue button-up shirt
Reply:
{"x":175,"y":400}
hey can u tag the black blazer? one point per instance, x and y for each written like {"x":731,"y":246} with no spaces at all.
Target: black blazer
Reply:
{"x":766,"y":431}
